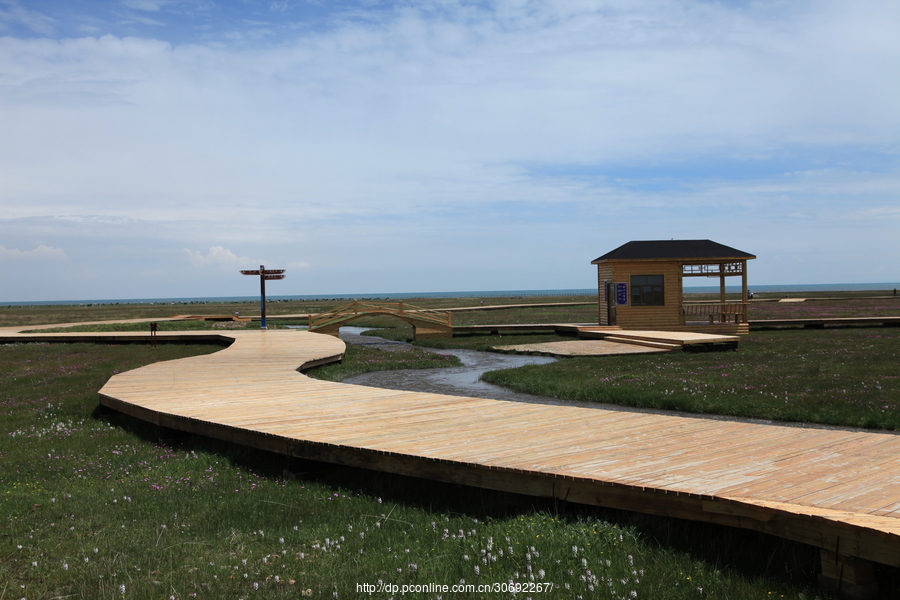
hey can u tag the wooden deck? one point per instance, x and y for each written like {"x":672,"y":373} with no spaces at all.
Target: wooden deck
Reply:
{"x":834,"y":489}
{"x":609,"y":341}
{"x":667,"y":340}
{"x":580,"y":348}
{"x":822,"y":323}
{"x":662,"y":340}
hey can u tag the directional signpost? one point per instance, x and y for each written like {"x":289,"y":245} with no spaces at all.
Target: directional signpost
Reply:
{"x":263,"y":275}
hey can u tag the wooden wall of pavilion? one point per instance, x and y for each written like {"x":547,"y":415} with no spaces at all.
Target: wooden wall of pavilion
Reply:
{"x":604,"y":274}
{"x":665,"y":317}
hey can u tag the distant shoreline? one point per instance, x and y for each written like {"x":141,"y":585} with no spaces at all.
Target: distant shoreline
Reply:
{"x":786,"y":288}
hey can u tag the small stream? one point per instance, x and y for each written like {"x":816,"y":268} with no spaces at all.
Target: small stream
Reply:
{"x":453,"y":381}
{"x":464,"y":380}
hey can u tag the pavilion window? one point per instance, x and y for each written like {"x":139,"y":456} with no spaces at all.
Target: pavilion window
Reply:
{"x":647,"y":290}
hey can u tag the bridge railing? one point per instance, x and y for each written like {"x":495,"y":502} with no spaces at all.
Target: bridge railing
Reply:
{"x":398,"y":309}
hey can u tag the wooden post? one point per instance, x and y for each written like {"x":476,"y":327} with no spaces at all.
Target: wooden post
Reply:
{"x":744,"y":292}
{"x":722,"y":292}
{"x":262,"y":297}
{"x":263,"y":275}
{"x":601,"y":296}
{"x":850,"y":577}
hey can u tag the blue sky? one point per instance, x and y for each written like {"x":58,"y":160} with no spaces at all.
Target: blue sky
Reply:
{"x":152,"y":148}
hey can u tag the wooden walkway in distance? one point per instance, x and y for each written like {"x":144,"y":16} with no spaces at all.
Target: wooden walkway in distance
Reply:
{"x":831,"y":488}
{"x":610,"y":341}
{"x":822,"y":323}
{"x":580,"y":348}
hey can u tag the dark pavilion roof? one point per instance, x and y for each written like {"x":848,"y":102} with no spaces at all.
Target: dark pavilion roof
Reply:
{"x":674,"y":250}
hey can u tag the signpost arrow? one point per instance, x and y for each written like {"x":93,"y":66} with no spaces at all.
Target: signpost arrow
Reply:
{"x":264,"y":274}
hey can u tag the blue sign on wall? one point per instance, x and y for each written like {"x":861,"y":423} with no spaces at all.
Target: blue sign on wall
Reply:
{"x":622,"y":294}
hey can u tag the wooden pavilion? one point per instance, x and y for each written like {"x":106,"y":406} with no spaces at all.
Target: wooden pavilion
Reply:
{"x":640,"y":286}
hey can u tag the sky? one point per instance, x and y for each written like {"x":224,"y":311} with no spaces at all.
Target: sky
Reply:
{"x":153,"y":148}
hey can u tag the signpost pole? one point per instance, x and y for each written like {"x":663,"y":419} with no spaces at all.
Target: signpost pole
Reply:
{"x":263,"y":275}
{"x":262,"y":296}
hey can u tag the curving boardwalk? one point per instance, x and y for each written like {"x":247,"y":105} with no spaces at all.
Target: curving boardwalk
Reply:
{"x":838,"y":490}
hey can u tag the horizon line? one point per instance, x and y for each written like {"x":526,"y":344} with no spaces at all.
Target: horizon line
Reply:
{"x":806,"y":287}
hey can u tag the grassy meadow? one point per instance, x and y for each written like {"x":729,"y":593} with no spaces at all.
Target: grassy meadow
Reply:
{"x":93,"y":506}
{"x":844,"y":377}
{"x":77,"y":313}
{"x":834,"y":376}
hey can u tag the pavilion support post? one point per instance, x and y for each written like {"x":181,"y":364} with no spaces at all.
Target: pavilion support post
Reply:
{"x":745,"y":294}
{"x":722,"y":317}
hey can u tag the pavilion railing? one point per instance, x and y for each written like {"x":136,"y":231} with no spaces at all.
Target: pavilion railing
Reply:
{"x":720,"y":312}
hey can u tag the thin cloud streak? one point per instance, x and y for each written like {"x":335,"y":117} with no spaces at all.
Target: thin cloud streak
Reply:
{"x":41,"y":253}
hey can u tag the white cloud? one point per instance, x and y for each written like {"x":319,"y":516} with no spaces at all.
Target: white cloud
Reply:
{"x":879,"y":212}
{"x":400,"y":129}
{"x":217,"y":256}
{"x":147,"y":5}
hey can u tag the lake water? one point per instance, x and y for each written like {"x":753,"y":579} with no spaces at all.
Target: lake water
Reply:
{"x":817,"y":287}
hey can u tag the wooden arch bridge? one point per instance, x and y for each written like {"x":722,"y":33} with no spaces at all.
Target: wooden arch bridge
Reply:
{"x":426,"y":323}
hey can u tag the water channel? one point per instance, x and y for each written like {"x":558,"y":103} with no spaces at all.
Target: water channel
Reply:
{"x":453,"y":381}
{"x":464,"y":380}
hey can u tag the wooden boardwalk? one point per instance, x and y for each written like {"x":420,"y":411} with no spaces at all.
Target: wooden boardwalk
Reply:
{"x":580,"y":348}
{"x":610,"y":341}
{"x":822,"y":323}
{"x":835,"y":489}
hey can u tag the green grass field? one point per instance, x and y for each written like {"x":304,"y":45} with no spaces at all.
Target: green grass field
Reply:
{"x":93,"y":507}
{"x":835,"y":376}
{"x":840,"y":376}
